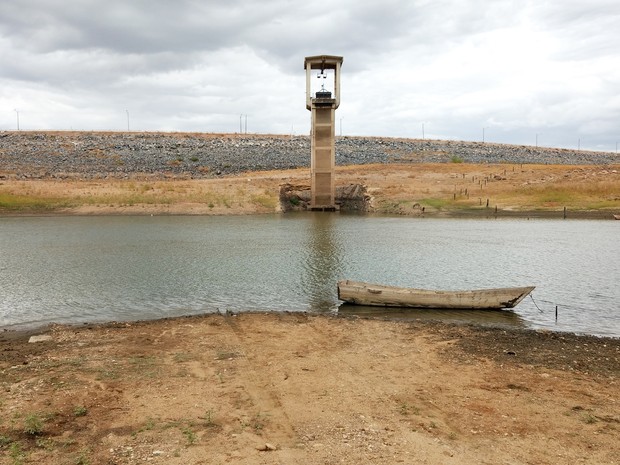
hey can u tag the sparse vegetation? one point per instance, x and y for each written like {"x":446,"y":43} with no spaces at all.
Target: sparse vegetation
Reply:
{"x":442,"y":187}
{"x":266,"y":200}
{"x":16,"y":453}
{"x":33,"y":424}
{"x":10,"y":202}
{"x":406,"y":409}
{"x":209,"y":418}
{"x":149,"y":425}
{"x":45,"y":443}
{"x":436,"y":203}
{"x":589,"y":419}
{"x":5,"y":441}
{"x":82,"y":458}
{"x":226,"y":354}
{"x":107,"y":374}
{"x":80,"y":411}
{"x":144,"y":366}
{"x":182,"y":357}
{"x":190,"y":436}
{"x":257,"y":422}
{"x":594,"y":195}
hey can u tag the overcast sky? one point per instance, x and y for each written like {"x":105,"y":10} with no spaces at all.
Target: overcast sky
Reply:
{"x":517,"y":71}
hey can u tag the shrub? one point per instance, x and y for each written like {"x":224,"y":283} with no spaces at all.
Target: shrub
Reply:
{"x":80,"y":411}
{"x":33,"y":425}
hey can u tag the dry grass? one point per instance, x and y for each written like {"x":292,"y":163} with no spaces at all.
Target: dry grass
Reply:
{"x":48,"y":196}
{"x":464,"y":187}
{"x":403,"y":189}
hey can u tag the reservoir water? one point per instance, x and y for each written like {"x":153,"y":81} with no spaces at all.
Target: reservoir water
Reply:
{"x":94,"y":269}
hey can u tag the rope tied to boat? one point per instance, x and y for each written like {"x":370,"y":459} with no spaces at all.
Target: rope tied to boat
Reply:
{"x":535,"y":304}
{"x":558,"y":305}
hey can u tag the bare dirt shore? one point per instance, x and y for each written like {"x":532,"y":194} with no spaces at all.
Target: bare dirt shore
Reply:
{"x":299,"y":388}
{"x":444,"y":189}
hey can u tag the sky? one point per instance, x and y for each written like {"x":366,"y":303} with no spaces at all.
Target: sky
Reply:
{"x":530,"y":72}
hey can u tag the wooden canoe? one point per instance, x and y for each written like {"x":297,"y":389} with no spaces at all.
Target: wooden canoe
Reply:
{"x":359,"y":293}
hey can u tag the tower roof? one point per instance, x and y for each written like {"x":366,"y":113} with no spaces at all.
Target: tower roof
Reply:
{"x":322,"y":62}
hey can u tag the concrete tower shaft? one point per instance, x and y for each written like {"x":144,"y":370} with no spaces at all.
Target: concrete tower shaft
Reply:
{"x":323,"y":146}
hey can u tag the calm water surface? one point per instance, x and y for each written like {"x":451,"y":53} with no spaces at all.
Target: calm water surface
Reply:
{"x":85,"y":269}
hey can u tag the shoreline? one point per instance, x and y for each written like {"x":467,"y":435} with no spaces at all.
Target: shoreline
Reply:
{"x":415,"y":190}
{"x":459,"y":214}
{"x":21,"y":332}
{"x":315,"y":389}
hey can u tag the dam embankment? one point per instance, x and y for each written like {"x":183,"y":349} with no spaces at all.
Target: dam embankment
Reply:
{"x":47,"y":154}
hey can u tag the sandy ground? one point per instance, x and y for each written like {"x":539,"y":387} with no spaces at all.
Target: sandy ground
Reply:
{"x":297,"y":388}
{"x":405,"y":189}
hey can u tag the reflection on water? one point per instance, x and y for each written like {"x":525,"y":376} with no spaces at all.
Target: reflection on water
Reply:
{"x":84,"y":269}
{"x":321,"y":260}
{"x":504,"y":318}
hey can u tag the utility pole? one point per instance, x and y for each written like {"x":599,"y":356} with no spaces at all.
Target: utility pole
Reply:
{"x":17,"y":112}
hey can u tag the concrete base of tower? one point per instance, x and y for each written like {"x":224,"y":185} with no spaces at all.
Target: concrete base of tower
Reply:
{"x":325,"y":208}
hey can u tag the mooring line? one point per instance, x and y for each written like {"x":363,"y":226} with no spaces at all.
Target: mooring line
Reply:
{"x":559,"y":305}
{"x":536,"y":304}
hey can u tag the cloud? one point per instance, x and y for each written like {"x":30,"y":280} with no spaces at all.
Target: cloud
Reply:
{"x":518,"y":68}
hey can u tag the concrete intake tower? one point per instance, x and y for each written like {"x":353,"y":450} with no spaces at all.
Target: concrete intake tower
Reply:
{"x":323,"y":106}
